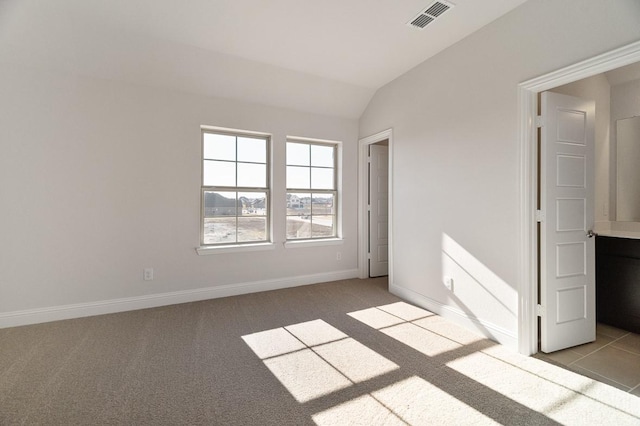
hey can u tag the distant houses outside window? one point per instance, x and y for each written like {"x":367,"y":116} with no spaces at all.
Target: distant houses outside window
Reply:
{"x":311,"y":190}
{"x":235,"y":188}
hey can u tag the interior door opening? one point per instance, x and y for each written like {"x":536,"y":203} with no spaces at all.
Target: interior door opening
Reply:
{"x":614,"y":94}
{"x":383,"y":138}
{"x":378,"y":209}
{"x":566,"y":217}
{"x":602,"y":360}
{"x":610,"y":61}
{"x":612,"y":107}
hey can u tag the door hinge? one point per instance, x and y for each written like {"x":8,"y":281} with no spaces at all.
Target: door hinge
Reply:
{"x":539,"y":216}
{"x":539,"y":121}
{"x":539,"y":310}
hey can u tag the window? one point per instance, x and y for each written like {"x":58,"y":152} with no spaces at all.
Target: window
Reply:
{"x":235,"y":188}
{"x":311,"y":190}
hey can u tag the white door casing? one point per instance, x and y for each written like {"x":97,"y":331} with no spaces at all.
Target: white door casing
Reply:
{"x":567,"y":251}
{"x":528,"y":177}
{"x":363,"y":201}
{"x":378,"y":210}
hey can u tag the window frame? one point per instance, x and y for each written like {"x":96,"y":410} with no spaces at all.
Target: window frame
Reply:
{"x":237,"y":189}
{"x":335,"y":192}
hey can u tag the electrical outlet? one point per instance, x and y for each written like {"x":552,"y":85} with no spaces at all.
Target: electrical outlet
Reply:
{"x":148,"y":274}
{"x":338,"y":255}
{"x":448,"y":283}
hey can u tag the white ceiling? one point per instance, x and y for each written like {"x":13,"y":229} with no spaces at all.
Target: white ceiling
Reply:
{"x":333,"y":53}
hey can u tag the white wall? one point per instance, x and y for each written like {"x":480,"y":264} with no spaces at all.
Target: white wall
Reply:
{"x":597,"y":88}
{"x":628,"y":179}
{"x":456,"y":189}
{"x":74,"y":37}
{"x":100,"y":179}
{"x":625,"y":100}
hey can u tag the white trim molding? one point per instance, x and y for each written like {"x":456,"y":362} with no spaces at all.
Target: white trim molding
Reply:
{"x":234,"y":248}
{"x":457,"y":316}
{"x":363,"y":232}
{"x":79,"y":310}
{"x":314,"y":243}
{"x":527,"y":134}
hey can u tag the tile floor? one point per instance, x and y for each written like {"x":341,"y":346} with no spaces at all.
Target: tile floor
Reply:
{"x":614,"y":358}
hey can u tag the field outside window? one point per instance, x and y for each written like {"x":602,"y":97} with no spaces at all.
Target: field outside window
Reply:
{"x":311,"y":190}
{"x":235,"y":188}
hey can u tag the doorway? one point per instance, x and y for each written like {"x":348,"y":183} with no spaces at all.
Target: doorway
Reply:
{"x":612,"y":354}
{"x":378,"y":206}
{"x":528,"y":108}
{"x":381,"y":238}
{"x":567,"y":248}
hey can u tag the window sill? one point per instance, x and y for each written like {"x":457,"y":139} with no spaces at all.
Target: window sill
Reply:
{"x":236,"y":248}
{"x":313,"y":243}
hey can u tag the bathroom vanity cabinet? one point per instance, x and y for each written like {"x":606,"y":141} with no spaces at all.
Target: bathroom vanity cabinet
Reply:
{"x":618,"y":282}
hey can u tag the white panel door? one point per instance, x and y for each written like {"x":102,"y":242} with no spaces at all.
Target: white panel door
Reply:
{"x":378,"y":210}
{"x":567,"y":249}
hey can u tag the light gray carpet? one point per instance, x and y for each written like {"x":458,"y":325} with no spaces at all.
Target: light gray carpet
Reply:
{"x":286,"y":357}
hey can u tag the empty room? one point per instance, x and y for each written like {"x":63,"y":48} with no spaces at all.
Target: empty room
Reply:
{"x":240,"y":212}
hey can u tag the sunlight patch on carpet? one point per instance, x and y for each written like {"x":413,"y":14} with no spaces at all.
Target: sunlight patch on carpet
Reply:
{"x":405,"y":311}
{"x":546,"y":395}
{"x":313,"y":359}
{"x":418,"y":402}
{"x":412,"y":401}
{"x":270,"y":343}
{"x":306,"y":376}
{"x":375,"y":318}
{"x":316,"y":332}
{"x":451,"y":331}
{"x":421,"y":340}
{"x":364,"y":410}
{"x":355,"y":360}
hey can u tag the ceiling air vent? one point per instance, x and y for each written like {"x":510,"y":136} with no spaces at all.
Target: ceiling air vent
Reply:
{"x":428,"y":15}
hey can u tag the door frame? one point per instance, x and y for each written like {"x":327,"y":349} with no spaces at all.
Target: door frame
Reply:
{"x":528,"y":178}
{"x":378,"y":160}
{"x":363,"y":189}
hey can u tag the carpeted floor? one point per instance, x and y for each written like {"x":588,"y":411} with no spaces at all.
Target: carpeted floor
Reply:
{"x":345,"y":352}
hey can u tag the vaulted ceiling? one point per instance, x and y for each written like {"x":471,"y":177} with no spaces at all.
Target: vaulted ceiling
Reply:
{"x":325,"y":57}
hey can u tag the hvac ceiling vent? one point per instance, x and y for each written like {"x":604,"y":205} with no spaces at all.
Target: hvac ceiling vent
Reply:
{"x":428,"y":15}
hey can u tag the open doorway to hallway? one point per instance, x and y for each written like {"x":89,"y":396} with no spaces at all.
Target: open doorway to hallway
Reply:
{"x":378,"y":206}
{"x":375,"y":206}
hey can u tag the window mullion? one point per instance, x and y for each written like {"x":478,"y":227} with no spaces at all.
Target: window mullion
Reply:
{"x":236,"y":209}
{"x":311,"y":207}
{"x":236,"y":184}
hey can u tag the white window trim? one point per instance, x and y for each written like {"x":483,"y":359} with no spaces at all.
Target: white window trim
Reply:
{"x":319,"y":241}
{"x":234,"y":248}
{"x":250,"y":245}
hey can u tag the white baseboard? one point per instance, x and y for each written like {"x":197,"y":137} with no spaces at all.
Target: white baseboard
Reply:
{"x":56,"y":313}
{"x":489,"y":330}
